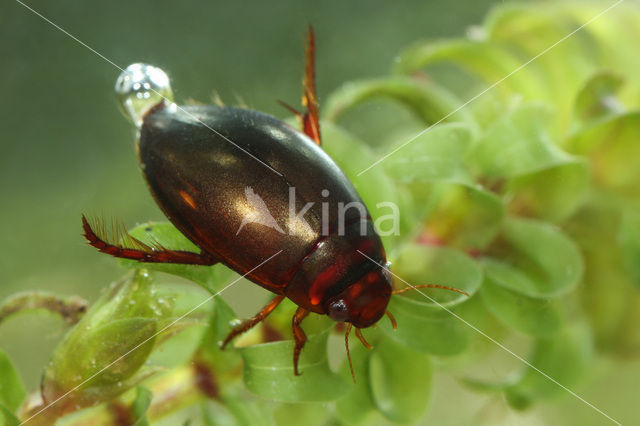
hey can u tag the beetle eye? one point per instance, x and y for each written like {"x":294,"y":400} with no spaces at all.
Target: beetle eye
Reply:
{"x":338,"y":311}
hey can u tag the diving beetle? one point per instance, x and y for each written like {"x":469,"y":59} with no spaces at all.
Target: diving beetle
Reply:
{"x":243,"y":187}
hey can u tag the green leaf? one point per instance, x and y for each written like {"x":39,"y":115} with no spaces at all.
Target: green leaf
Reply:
{"x":460,"y":213}
{"x":211,"y":278}
{"x":356,"y":406}
{"x":165,"y":234}
{"x":244,"y":409}
{"x":528,"y":30}
{"x":248,"y":411}
{"x":7,"y":418}
{"x":420,"y":264}
{"x":400,"y":381}
{"x":216,"y":414}
{"x":12,"y":391}
{"x":597,"y":98}
{"x":536,"y":260}
{"x":538,"y":317}
{"x":132,"y":296}
{"x":431,"y":329}
{"x":564,"y":357}
{"x":479,"y":323}
{"x":517,"y":157}
{"x":117,"y":334}
{"x":488,"y":62}
{"x":222,"y":362}
{"x":518,"y":145}
{"x":436,"y":155}
{"x":268,"y":372}
{"x":422,"y":324}
{"x":105,"y":345}
{"x":609,"y":296}
{"x":629,"y":237}
{"x":377,"y":190}
{"x":460,"y":216}
{"x":426,"y":100}
{"x":184,"y":327}
{"x":141,"y":405}
{"x":613,"y":148}
{"x":554,"y":193}
{"x":314,"y":414}
{"x":622,"y":24}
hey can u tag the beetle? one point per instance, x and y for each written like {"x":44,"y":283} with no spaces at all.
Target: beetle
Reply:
{"x":225,"y":178}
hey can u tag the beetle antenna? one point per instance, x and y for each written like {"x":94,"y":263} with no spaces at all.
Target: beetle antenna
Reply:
{"x":346,"y":344}
{"x":362,"y":339}
{"x":394,"y":324}
{"x":443,"y":287}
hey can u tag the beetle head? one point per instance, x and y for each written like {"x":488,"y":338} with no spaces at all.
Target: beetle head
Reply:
{"x":363,"y":302}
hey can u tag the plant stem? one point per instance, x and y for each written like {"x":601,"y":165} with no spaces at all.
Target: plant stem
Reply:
{"x":172,"y":391}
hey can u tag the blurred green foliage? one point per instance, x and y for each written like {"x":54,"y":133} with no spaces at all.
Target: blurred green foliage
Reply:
{"x":527,"y":198}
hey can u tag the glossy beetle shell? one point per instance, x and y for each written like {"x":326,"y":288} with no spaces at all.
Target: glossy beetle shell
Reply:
{"x":200,"y":179}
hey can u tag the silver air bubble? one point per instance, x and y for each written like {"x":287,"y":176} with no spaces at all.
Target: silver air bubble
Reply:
{"x":141,"y":87}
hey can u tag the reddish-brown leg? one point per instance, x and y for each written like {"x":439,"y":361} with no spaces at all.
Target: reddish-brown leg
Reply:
{"x":310,"y":119}
{"x":248,"y":324}
{"x":362,"y":339}
{"x":394,"y":324}
{"x":137,"y":250}
{"x":299,"y":336}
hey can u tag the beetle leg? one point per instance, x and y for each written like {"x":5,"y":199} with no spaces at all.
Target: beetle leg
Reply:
{"x":247,"y":324}
{"x":362,"y":339}
{"x":310,"y":119}
{"x":394,"y":324}
{"x":299,"y":336}
{"x":132,"y":248}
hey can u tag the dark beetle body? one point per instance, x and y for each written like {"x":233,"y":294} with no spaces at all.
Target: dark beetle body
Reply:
{"x":200,"y":181}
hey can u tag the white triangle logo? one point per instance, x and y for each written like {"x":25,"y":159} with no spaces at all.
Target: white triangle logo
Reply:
{"x":259,"y":212}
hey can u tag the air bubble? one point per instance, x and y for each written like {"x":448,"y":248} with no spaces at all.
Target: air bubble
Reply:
{"x":141,"y":87}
